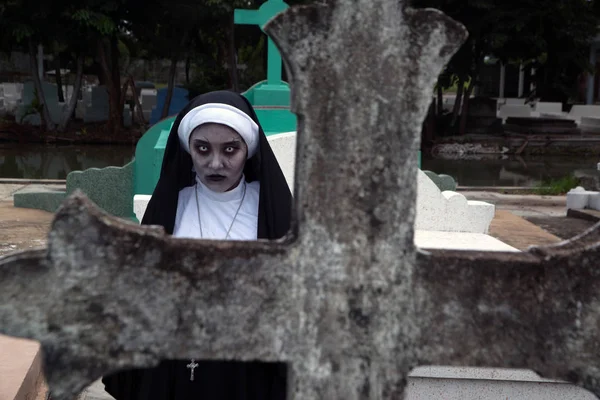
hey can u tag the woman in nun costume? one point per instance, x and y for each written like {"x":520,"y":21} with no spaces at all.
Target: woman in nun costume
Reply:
{"x":219,"y":180}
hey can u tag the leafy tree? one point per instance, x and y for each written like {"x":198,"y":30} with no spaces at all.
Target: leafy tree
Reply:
{"x":28,"y":23}
{"x":551,"y":35}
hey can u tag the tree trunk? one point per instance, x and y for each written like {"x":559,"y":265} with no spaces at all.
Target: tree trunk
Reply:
{"x":137,"y":106}
{"x":102,"y":80}
{"x":172,"y":73}
{"x":59,"y":85}
{"x":171,"y":84}
{"x":68,"y":114}
{"x":440,"y":100}
{"x":188,"y":64}
{"x":115,"y":92}
{"x":428,"y":129}
{"x":232,"y":57}
{"x":458,"y":101}
{"x":45,"y":113}
{"x":109,"y":61}
{"x":465,"y":108}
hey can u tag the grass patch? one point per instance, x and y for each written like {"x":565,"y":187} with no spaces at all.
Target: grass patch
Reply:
{"x":557,"y":187}
{"x":454,"y":88}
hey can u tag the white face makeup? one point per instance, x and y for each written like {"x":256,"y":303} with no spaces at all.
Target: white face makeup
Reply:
{"x":219,"y":155}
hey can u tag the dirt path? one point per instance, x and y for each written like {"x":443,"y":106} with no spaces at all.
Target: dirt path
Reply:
{"x":22,"y":228}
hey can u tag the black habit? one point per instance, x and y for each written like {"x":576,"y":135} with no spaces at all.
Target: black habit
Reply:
{"x":214,"y":380}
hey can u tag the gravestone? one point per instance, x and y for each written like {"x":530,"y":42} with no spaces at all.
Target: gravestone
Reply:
{"x":96,"y":105}
{"x":2,"y":106}
{"x":148,"y":101}
{"x":12,"y":94}
{"x":27,"y":114}
{"x":179,"y":100}
{"x":345,"y":300}
{"x":139,"y":85}
{"x":84,"y":103}
{"x":482,"y":116}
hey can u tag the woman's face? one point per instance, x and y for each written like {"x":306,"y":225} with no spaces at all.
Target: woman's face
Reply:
{"x":219,"y":155}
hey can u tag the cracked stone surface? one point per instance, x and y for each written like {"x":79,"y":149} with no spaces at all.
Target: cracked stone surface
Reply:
{"x":345,"y":300}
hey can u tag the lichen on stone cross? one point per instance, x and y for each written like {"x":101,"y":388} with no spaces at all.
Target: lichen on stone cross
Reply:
{"x":345,"y":300}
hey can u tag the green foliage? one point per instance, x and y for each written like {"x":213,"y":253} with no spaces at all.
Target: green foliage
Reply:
{"x":551,"y":35}
{"x":453,"y":86}
{"x":556,"y":187}
{"x":252,"y":56}
{"x":21,"y":32}
{"x":96,"y":20}
{"x":207,"y":79}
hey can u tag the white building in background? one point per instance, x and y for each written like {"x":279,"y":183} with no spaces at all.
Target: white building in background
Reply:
{"x":591,"y":81}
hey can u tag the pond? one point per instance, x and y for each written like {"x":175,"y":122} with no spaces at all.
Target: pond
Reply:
{"x":55,"y":162}
{"x":497,"y":170}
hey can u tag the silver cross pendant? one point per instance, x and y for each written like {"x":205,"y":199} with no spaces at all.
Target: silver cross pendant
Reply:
{"x":192,"y":365}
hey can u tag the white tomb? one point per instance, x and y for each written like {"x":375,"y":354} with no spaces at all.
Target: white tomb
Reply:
{"x":579,"y":111}
{"x":449,"y":211}
{"x":581,"y":199}
{"x":590,"y":125}
{"x":518,"y":111}
{"x":468,"y":383}
{"x":549,"y":110}
{"x":465,"y":241}
{"x":514,"y":101}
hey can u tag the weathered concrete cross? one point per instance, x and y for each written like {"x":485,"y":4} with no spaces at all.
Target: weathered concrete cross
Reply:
{"x":346,"y":300}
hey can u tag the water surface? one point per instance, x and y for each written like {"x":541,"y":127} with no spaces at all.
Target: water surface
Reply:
{"x":55,"y":162}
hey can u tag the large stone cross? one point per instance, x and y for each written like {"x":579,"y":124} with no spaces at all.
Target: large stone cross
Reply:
{"x":345,"y":300}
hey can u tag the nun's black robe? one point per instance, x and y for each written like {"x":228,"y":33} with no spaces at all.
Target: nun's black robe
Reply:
{"x":214,"y":380}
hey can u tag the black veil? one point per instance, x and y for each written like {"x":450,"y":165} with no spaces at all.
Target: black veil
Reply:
{"x":275,"y":199}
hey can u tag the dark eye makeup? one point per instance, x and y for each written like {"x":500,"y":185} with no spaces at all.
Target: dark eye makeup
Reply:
{"x":229,"y":147}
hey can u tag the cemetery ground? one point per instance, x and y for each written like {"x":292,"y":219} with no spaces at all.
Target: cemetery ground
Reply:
{"x":521,"y":220}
